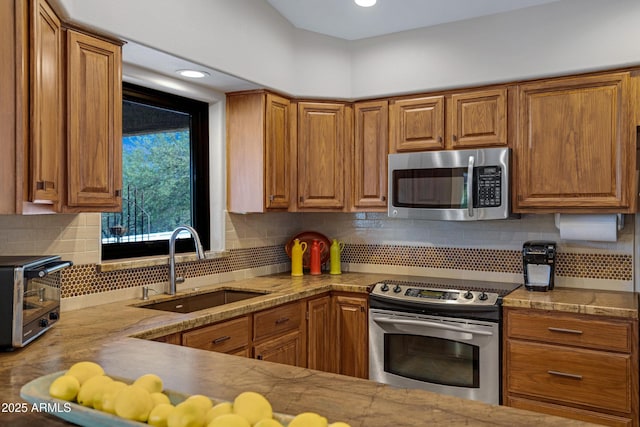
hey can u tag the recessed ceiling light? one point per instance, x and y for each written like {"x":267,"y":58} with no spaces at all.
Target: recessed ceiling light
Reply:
{"x":365,"y":3}
{"x":194,"y":74}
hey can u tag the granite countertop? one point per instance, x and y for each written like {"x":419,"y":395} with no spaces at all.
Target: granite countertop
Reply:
{"x":105,"y":334}
{"x":582,"y":301}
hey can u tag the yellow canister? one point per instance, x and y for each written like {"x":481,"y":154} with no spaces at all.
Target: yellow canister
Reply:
{"x":297,"y":250}
{"x":334,"y":255}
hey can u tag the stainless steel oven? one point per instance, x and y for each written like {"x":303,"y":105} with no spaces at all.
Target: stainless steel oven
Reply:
{"x":440,"y":335}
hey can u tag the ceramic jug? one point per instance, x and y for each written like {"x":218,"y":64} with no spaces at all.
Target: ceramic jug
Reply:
{"x":335,"y":251}
{"x":297,"y":250}
{"x":316,"y":257}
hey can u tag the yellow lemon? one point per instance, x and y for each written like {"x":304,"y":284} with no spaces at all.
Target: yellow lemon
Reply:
{"x":159,"y":415}
{"x":308,"y":419}
{"x":85,"y":370}
{"x":186,"y":414}
{"x":229,"y":420}
{"x":217,"y":410}
{"x":65,"y":387}
{"x":159,"y":398}
{"x":90,"y":388}
{"x":338,"y":424}
{"x":268,"y":422}
{"x":151,"y":382}
{"x":105,"y":399}
{"x":133,"y":403}
{"x":252,"y":406}
{"x":203,"y":401}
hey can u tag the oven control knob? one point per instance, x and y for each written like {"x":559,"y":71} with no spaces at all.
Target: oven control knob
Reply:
{"x":397,"y":289}
{"x":384,"y":287}
{"x":468,"y":295}
{"x":483,"y":297}
{"x":54,"y":316}
{"x":43,"y":323}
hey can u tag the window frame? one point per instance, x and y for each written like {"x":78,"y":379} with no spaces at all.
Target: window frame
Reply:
{"x":199,"y":165}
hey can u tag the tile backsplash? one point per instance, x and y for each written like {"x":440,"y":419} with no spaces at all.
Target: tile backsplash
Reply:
{"x":373,"y":242}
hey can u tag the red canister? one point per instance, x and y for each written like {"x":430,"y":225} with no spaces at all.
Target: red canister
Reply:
{"x":317,"y":247}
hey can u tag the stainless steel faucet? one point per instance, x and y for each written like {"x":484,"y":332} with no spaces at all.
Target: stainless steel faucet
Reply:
{"x":172,"y":255}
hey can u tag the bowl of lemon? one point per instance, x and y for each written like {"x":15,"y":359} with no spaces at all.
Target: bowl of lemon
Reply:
{"x":85,"y":395}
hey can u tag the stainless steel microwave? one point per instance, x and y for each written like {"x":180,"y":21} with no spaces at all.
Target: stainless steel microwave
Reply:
{"x":453,"y":185}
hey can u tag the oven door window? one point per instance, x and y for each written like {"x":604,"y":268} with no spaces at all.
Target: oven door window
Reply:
{"x":444,"y":188}
{"x":433,"y":360}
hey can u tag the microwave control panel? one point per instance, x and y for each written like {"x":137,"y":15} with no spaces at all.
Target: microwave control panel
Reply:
{"x":488,"y":187}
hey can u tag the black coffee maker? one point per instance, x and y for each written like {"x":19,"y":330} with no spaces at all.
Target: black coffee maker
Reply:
{"x":538,"y":262}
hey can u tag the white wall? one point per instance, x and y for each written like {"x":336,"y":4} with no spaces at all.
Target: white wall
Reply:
{"x":557,"y":38}
{"x":249,"y":39}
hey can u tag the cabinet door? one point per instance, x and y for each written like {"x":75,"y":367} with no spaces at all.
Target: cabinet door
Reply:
{"x":321,"y":153}
{"x":370,"y":149}
{"x":277,"y":152}
{"x":319,"y":328}
{"x":478,"y":119}
{"x":94,"y":128}
{"x":417,"y":124}
{"x":287,"y":349}
{"x":351,"y":340}
{"x":574,"y":146}
{"x":46,"y":148}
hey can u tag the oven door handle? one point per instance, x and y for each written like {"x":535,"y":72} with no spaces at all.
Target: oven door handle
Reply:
{"x":435,"y":325}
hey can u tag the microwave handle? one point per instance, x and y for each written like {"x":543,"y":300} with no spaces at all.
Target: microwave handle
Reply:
{"x":470,"y":185}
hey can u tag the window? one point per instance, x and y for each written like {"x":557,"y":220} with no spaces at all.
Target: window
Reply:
{"x":165,"y":164}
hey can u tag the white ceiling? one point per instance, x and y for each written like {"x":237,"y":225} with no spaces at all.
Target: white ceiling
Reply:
{"x":337,"y":18}
{"x":345,"y":20}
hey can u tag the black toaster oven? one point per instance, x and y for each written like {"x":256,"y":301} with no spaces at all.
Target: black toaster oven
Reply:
{"x":29,"y":297}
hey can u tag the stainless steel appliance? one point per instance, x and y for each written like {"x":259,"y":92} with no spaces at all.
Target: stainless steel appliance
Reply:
{"x":441,"y":335}
{"x":29,"y":297}
{"x":455,"y":185}
{"x":539,"y":265}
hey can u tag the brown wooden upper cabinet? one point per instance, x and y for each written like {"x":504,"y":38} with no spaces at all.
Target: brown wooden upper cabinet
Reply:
{"x":321,"y":154}
{"x":47,"y":146}
{"x":575,"y":145}
{"x":260,"y":128}
{"x":450,"y":121}
{"x":94,"y":124}
{"x":370,"y":148}
{"x":63,"y":119}
{"x":417,"y":124}
{"x":478,"y":119}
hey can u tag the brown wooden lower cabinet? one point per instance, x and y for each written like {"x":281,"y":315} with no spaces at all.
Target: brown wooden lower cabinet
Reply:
{"x":328,"y":332}
{"x":577,"y":366}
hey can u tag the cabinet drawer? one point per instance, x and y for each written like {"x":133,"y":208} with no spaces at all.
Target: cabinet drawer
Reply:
{"x":277,"y":320}
{"x":570,"y":330}
{"x":567,"y":412}
{"x":570,"y":375}
{"x":222,"y":337}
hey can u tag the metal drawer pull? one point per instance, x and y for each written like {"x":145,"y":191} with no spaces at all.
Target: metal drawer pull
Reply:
{"x":566,"y":331}
{"x":221,"y":339}
{"x":282,"y":320}
{"x":565,"y":374}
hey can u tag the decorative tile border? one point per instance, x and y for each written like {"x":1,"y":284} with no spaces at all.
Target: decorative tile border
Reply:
{"x":581,"y":265}
{"x":86,"y":279}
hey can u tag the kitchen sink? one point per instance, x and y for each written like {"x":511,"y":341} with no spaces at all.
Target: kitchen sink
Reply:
{"x":190,"y":303}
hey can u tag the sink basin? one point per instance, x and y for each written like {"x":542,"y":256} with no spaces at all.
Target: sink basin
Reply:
{"x":197,"y":302}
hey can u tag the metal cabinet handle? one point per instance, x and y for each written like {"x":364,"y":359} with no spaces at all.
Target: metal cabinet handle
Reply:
{"x":565,"y":331}
{"x":259,"y":357}
{"x":565,"y":374}
{"x":221,"y":339}
{"x":282,"y":320}
{"x":455,"y":138}
{"x":45,"y":185}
